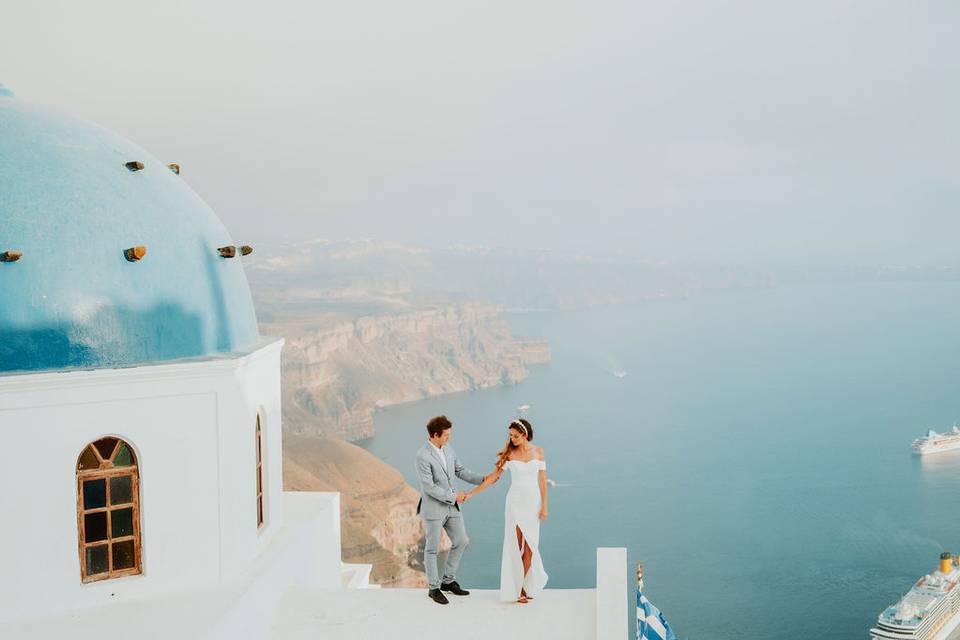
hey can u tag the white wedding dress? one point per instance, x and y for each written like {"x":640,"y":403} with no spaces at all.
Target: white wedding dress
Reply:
{"x":523,"y":511}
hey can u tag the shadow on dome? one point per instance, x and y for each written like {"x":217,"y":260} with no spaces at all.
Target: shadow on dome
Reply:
{"x":112,"y":337}
{"x":218,"y":297}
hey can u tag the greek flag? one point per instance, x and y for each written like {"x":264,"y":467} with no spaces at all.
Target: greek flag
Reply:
{"x":651,"y":625}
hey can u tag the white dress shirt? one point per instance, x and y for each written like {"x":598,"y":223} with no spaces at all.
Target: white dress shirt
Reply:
{"x":443,"y":458}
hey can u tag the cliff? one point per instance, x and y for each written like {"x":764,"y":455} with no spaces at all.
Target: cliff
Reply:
{"x":335,"y":374}
{"x":378,"y":524}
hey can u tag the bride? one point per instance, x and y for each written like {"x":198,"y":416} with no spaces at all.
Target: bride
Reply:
{"x":521,"y":571}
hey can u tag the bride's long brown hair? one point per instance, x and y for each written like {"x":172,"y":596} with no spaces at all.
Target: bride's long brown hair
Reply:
{"x":516,"y":426}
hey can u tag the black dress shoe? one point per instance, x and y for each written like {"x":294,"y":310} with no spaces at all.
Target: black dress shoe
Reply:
{"x":437,"y":596}
{"x":454,"y":588}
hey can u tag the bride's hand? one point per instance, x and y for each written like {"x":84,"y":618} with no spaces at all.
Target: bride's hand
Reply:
{"x":543,"y":513}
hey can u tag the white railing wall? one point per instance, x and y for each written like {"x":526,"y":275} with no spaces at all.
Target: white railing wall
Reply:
{"x":612,"y":593}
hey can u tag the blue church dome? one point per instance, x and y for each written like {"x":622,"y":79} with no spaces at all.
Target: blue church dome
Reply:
{"x":71,"y":205}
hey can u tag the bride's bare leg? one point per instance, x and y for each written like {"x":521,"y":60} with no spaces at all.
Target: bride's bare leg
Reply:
{"x":526,"y":556}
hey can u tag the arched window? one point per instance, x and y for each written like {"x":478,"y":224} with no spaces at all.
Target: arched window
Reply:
{"x":259,"y":474}
{"x":108,"y":510}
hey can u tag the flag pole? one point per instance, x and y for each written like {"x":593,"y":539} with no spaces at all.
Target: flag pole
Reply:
{"x":651,"y":625}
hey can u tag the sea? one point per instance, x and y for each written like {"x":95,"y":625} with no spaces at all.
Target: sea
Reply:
{"x":751,"y":448}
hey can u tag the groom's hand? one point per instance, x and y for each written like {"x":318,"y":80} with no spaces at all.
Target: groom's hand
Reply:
{"x":462,"y":497}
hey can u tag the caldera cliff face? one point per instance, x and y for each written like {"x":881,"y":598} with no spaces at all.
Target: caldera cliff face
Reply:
{"x":336,"y":376}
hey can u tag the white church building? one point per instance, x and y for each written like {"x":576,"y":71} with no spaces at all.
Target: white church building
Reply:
{"x":140,"y":412}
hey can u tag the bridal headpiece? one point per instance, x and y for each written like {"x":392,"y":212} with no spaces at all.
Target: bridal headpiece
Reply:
{"x":522,"y":426}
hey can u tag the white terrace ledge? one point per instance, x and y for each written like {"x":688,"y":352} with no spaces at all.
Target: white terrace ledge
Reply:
{"x":407,"y":614}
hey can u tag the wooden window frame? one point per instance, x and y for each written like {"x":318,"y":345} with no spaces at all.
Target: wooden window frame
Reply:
{"x":261,"y":516}
{"x":107,"y":471}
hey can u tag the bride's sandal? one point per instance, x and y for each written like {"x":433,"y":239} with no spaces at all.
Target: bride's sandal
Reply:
{"x":522,"y":600}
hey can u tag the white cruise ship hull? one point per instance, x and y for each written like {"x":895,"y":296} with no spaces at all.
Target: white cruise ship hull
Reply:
{"x":926,"y":449}
{"x":942,"y":633}
{"x":948,"y":628}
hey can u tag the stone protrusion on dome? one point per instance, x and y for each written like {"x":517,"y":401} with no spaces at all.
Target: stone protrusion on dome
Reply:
{"x":228,"y":251}
{"x":246,"y":250}
{"x":134,"y":254}
{"x":60,"y":188}
{"x":134,"y":165}
{"x":10,"y":256}
{"x":173,"y":166}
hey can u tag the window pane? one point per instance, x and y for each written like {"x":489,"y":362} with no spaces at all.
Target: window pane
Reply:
{"x":95,"y":526}
{"x":88,"y":460}
{"x":123,"y":555}
{"x":94,"y":493}
{"x":105,"y":447}
{"x":121,"y":490}
{"x":124,"y":456}
{"x":121,"y":522}
{"x":97,"y":560}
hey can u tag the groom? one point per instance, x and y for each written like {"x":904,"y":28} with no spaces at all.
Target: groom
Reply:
{"x":439,"y":506}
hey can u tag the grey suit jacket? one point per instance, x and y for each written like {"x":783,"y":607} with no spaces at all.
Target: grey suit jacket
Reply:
{"x":438,"y":494}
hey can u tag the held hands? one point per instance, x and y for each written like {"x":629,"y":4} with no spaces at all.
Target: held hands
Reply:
{"x":543,"y":513}
{"x":463,"y":496}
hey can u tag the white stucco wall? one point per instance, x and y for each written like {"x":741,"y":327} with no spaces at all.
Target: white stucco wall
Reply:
{"x":303,"y":555}
{"x":192,"y":424}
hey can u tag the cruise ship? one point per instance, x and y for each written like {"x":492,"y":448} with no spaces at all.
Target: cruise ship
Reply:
{"x":935,"y":442}
{"x":929,"y":611}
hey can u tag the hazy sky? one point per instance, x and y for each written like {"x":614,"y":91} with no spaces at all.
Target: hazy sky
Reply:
{"x":735,"y":131}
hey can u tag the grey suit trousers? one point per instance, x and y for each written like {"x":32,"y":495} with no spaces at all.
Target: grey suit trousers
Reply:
{"x":458,"y":542}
